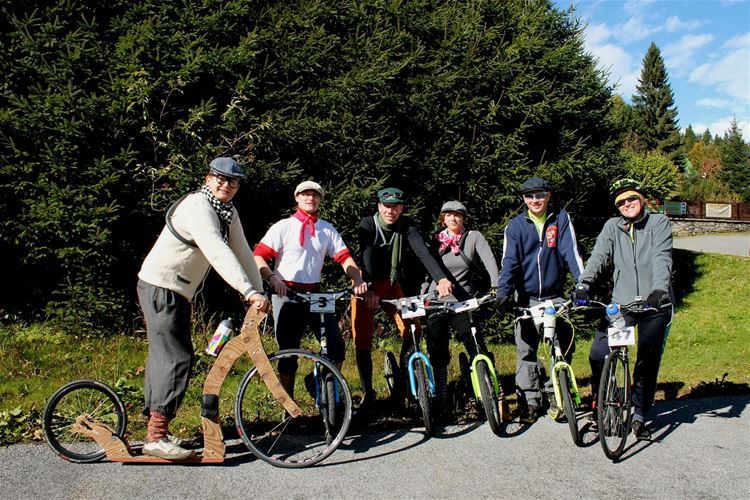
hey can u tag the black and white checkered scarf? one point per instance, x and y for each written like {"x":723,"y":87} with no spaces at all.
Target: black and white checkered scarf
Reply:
{"x":223,"y":210}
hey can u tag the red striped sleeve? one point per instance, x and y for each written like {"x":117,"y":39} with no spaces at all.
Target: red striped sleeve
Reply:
{"x":263,"y":250}
{"x":341,"y":257}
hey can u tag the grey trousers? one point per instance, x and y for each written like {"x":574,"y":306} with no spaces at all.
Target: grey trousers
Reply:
{"x":528,"y":372}
{"x":170,"y":349}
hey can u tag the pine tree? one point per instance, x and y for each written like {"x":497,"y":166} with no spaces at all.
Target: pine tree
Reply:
{"x":735,"y":160}
{"x":655,"y":108}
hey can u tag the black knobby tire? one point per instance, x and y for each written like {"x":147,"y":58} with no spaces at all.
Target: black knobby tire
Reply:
{"x":568,"y":406}
{"x":272,"y":434}
{"x":423,"y":396}
{"x":393,"y":379}
{"x":91,"y":398}
{"x":487,"y":395}
{"x":613,"y":405}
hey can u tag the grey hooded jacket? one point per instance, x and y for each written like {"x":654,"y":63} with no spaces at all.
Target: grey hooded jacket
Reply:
{"x":642,"y":263}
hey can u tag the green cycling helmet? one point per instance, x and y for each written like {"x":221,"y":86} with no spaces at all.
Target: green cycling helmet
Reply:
{"x":623,"y":185}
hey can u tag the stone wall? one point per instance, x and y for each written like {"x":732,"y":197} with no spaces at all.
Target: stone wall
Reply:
{"x":692,"y":227}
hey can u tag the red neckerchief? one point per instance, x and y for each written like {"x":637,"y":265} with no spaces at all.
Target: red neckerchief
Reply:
{"x":307,"y":220}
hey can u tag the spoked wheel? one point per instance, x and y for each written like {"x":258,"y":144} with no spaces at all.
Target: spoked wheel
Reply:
{"x":423,"y":396}
{"x":88,"y":398}
{"x":567,"y":401}
{"x":393,"y":380}
{"x":487,"y":394}
{"x":276,"y":437}
{"x":613,"y":405}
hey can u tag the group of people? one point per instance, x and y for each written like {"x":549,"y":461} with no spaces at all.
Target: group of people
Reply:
{"x":203,"y":230}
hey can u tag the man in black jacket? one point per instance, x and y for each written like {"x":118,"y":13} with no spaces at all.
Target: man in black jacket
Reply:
{"x":382,"y":239}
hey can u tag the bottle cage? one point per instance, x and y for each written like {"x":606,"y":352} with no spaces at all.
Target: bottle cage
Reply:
{"x":168,"y":221}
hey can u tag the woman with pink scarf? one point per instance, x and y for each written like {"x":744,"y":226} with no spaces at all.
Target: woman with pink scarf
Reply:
{"x":465,"y":254}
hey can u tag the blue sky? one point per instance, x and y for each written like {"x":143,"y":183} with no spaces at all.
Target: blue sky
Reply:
{"x":705,"y":45}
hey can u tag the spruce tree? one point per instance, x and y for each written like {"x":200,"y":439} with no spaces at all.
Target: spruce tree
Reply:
{"x":655,"y":108}
{"x":735,"y":161}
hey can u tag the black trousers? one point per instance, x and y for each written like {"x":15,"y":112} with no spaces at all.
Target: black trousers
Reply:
{"x":291,"y":320}
{"x":653,"y":328}
{"x":439,"y":334}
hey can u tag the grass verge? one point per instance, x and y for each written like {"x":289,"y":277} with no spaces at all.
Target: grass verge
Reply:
{"x":708,"y":353}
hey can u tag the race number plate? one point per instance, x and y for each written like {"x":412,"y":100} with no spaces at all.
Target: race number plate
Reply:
{"x":411,"y":307}
{"x":467,"y":305}
{"x":618,"y":338}
{"x":322,"y":303}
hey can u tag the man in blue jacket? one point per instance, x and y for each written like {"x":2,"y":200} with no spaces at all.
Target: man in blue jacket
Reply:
{"x":539,"y":245}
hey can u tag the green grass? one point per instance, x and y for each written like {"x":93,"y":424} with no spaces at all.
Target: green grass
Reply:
{"x":710,"y":337}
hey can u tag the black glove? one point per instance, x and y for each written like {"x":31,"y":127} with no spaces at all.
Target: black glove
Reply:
{"x":501,"y":303}
{"x":655,"y":299}
{"x":581,"y":294}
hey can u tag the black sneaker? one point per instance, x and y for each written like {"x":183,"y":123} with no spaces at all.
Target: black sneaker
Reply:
{"x":310,"y":385}
{"x":640,"y":431}
{"x":531,"y":415}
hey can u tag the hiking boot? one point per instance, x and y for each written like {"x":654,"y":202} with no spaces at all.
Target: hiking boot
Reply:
{"x":531,"y":415}
{"x":640,"y":431}
{"x":163,"y":448}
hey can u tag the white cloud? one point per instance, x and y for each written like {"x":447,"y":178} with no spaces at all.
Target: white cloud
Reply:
{"x":714,"y":103}
{"x":721,"y":126}
{"x":730,"y":73}
{"x":621,"y":67}
{"x":674,"y":23}
{"x":637,"y":6}
{"x":597,"y":33}
{"x":634,"y":29}
{"x":680,"y":55}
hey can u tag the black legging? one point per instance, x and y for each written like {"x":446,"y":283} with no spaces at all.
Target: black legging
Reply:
{"x":653,"y":328}
{"x":438,"y":336}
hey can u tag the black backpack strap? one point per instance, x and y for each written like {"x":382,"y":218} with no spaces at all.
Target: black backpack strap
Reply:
{"x":168,"y":221}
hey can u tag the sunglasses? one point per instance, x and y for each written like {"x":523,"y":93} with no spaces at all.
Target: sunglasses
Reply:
{"x":221,"y":179}
{"x":392,"y":194}
{"x":629,"y":199}
{"x":536,"y":196}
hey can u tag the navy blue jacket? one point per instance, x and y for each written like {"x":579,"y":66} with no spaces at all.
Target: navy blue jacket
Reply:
{"x":535,"y":266}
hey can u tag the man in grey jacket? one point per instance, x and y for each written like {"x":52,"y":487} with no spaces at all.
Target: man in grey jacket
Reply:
{"x":203,"y":230}
{"x":639,"y":244}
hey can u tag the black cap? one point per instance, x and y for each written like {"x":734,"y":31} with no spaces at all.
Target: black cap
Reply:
{"x":534,"y":184}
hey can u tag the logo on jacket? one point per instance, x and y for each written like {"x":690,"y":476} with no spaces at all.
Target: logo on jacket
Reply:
{"x":552,"y":236}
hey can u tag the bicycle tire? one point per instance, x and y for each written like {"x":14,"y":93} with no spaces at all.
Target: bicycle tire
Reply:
{"x":393,"y":380}
{"x":274,"y":436}
{"x":487,"y":394}
{"x":568,"y":407}
{"x":87,"y":397}
{"x":423,"y":396}
{"x":613,"y":405}
{"x":328,"y":406}
{"x":465,"y":371}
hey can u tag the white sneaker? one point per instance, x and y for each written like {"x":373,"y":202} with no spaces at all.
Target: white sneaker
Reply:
{"x":175,"y":440}
{"x":166,"y":449}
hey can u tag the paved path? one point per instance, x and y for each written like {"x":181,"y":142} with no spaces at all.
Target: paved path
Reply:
{"x":702,"y":452}
{"x":732,"y":243}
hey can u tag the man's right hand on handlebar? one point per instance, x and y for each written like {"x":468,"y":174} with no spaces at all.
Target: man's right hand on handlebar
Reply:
{"x":372,"y":300}
{"x":502,"y":303}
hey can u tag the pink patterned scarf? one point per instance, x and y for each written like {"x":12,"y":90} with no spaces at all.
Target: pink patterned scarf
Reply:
{"x":447,"y":239}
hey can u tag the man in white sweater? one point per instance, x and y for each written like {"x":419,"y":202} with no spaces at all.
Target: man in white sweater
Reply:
{"x":202,"y":231}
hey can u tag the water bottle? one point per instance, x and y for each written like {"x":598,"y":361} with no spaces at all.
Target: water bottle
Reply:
{"x":615,"y":316}
{"x":550,"y":316}
{"x":221,"y":335}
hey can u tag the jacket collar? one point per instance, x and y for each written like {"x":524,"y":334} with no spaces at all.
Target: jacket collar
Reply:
{"x":624,"y":224}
